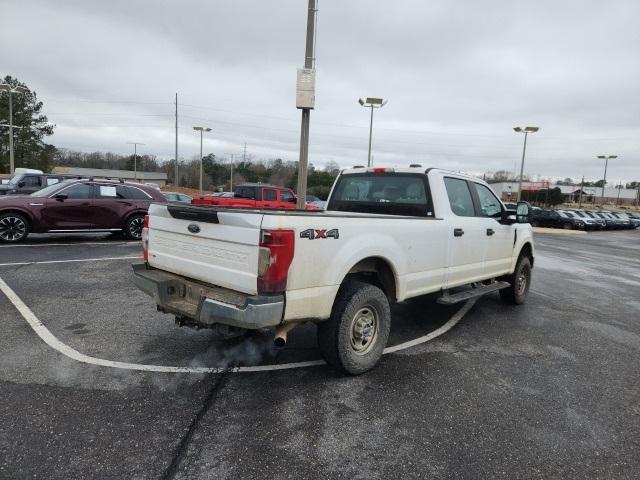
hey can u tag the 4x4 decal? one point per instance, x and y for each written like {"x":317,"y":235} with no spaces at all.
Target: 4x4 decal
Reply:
{"x":314,"y":234}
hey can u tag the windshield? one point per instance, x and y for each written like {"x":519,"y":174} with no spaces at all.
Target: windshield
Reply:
{"x":46,"y":191}
{"x":16,"y":179}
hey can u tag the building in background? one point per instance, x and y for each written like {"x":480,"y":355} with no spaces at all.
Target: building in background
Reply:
{"x":159,"y":178}
{"x":508,"y":192}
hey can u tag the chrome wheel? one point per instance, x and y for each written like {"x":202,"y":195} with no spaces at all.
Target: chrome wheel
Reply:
{"x":12,"y":228}
{"x":364,"y":330}
{"x":135,"y":227}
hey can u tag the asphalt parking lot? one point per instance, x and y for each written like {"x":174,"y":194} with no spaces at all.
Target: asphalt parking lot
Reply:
{"x":546,"y":390}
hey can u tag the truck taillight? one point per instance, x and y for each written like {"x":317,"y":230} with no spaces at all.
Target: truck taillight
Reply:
{"x":145,"y":238}
{"x":274,"y":259}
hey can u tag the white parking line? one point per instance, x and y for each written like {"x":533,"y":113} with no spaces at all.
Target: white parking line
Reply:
{"x":51,"y":340}
{"x":101,"y":259}
{"x":23,"y":245}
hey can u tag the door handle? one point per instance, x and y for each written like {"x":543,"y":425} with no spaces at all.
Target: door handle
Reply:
{"x":458,"y":232}
{"x":490,"y":231}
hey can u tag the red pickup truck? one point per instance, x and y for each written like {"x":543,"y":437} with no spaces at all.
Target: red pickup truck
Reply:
{"x":252,"y":195}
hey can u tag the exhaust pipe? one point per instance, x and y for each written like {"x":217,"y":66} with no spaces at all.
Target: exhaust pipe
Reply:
{"x":280,"y":339}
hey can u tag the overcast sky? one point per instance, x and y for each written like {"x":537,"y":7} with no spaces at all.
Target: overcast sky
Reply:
{"x":458,"y":75}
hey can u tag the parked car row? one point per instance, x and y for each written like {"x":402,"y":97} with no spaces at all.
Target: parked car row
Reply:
{"x":584,"y":219}
{"x":82,"y":205}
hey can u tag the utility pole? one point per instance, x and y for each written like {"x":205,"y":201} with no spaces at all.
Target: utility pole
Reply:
{"x":135,"y":158}
{"x":309,"y":62}
{"x":6,"y":87}
{"x":231,"y":181}
{"x":606,"y":164}
{"x":581,"y":187}
{"x":177,"y":179}
{"x":12,"y":164}
{"x":201,"y":130}
{"x":244,"y":153}
{"x":619,"y":188}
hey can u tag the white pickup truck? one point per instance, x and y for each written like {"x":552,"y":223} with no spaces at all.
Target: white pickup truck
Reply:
{"x":387,"y":235}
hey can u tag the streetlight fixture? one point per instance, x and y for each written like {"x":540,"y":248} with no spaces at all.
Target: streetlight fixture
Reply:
{"x":201,"y":130}
{"x":5,"y":87}
{"x":135,"y":158}
{"x":606,"y":159}
{"x":372,"y":103}
{"x":526,"y":131}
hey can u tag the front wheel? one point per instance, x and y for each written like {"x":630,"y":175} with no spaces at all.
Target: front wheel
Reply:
{"x":353,"y":338}
{"x":133,"y":227}
{"x":520,"y":281}
{"x":14,"y":228}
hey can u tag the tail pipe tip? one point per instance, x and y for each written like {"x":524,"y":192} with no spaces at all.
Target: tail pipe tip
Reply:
{"x":280,"y":338}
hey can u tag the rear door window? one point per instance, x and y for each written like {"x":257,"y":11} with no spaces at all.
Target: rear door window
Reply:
{"x":269,"y":195}
{"x":460,"y":198}
{"x":79,"y":191}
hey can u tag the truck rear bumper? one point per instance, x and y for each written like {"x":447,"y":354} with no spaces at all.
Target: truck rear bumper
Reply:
{"x":208,"y":305}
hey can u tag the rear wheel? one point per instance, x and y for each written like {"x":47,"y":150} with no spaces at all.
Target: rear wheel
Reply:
{"x":353,"y":338}
{"x":14,"y":228}
{"x":133,"y":227}
{"x":520,"y":281}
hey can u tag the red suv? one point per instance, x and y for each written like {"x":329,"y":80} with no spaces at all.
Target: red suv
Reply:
{"x":77,"y":206}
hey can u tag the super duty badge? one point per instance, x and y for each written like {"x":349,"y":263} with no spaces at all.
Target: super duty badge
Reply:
{"x":314,"y":234}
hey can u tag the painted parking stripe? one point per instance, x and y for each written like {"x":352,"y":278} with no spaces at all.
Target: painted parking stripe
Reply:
{"x":50,"y":339}
{"x":75,"y":260}
{"x":25,"y":245}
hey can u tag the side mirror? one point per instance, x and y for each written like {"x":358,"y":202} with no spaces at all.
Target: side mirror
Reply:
{"x":61,"y":197}
{"x":20,"y":184}
{"x":508,"y":217}
{"x":293,"y":200}
{"x":522,"y":212}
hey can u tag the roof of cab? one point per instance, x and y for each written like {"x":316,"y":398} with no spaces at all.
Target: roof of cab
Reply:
{"x":411,"y":169}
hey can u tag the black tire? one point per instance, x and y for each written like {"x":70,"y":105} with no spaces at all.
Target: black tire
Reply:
{"x":353,"y":338}
{"x":133,"y":227}
{"x":516,"y":293}
{"x":567,"y":226}
{"x":14,"y":228}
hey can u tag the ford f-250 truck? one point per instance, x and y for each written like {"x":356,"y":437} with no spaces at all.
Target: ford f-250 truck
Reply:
{"x":387,"y":235}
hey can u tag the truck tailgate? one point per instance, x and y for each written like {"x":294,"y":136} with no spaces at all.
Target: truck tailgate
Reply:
{"x":204,"y":244}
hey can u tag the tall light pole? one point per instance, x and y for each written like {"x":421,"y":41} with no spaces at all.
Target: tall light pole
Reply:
{"x":305,"y":100}
{"x":201,"y":130}
{"x":606,"y":159}
{"x":372,"y":103}
{"x":5,"y":87}
{"x":175,"y":172}
{"x":231,"y":181}
{"x":526,"y":131}
{"x":135,"y":158}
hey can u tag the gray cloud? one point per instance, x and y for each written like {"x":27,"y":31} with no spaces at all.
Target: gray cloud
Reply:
{"x":459,"y":76}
